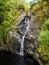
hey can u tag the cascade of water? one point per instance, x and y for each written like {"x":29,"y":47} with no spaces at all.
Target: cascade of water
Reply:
{"x":24,"y":31}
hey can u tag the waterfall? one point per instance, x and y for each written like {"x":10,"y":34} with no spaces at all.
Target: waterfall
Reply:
{"x":23,"y":32}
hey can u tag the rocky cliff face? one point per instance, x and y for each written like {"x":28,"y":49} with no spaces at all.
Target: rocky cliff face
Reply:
{"x":31,"y":42}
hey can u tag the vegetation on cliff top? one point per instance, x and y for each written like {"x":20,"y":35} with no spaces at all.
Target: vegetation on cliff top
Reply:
{"x":9,"y":11}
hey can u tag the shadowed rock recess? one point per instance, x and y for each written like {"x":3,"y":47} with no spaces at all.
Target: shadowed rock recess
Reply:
{"x":8,"y":58}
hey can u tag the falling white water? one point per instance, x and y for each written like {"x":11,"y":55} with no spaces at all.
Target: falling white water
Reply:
{"x":23,"y":32}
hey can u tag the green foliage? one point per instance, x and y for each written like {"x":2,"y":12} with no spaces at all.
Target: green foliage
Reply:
{"x":44,"y":40}
{"x":44,"y":37}
{"x":4,"y":8}
{"x":46,"y":25}
{"x":27,"y":7}
{"x":31,"y":3}
{"x":8,"y":13}
{"x":20,"y":4}
{"x":23,"y":5}
{"x":40,"y":9}
{"x":44,"y":51}
{"x":1,"y":34}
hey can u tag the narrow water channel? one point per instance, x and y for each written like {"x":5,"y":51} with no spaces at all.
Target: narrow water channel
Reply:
{"x":23,"y":32}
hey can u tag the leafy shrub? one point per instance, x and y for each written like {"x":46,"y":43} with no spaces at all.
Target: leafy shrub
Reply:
{"x":20,"y":4}
{"x":44,"y":37}
{"x":44,"y":40}
{"x":8,"y":13}
{"x":27,"y":7}
{"x":46,"y":25}
{"x":44,"y":52}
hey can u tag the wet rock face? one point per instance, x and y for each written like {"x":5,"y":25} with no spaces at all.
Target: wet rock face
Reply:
{"x":31,"y":39}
